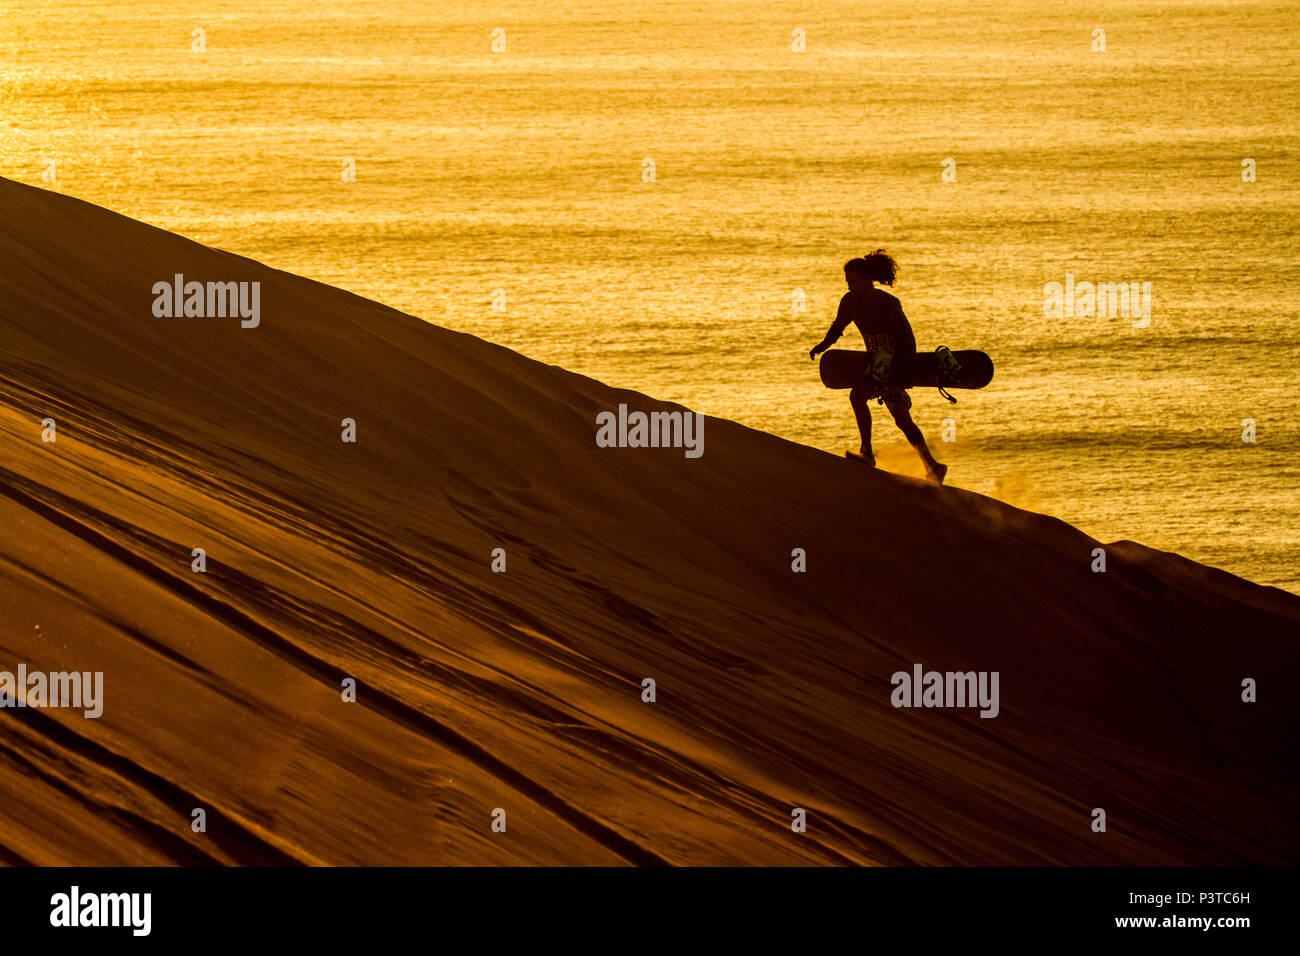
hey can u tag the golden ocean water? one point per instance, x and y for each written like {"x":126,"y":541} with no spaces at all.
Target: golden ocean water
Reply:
{"x":662,"y":196}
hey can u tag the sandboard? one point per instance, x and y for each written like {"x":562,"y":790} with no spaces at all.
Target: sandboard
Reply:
{"x":844,"y":368}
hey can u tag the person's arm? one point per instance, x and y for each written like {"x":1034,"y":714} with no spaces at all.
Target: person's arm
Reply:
{"x":834,"y":332}
{"x":904,"y":345}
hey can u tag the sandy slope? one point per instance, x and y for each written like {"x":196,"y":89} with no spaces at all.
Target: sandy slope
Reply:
{"x":522,"y":690}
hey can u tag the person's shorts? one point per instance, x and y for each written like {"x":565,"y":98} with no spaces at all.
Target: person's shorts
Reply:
{"x":895,"y":399}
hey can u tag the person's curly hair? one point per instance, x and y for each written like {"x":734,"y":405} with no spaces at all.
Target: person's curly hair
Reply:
{"x":878,"y":266}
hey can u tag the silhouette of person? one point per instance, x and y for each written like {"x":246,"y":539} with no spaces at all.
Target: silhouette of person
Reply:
{"x":891,"y":347}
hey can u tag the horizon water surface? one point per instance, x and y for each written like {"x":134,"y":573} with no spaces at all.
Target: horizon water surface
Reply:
{"x":524,"y":171}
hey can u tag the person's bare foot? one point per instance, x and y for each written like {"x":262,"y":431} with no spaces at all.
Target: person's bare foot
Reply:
{"x":866,"y":459}
{"x":938,"y":472}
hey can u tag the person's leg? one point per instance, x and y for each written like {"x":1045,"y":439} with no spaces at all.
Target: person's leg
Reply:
{"x":900,"y":406}
{"x":859,"y":397}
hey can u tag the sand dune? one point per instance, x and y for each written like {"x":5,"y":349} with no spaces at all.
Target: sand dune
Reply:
{"x":522,"y":690}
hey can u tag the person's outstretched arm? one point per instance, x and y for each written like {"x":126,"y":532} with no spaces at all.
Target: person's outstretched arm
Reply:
{"x":834,"y":332}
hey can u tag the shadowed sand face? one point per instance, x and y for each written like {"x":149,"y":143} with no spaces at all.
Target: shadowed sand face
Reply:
{"x":366,"y":590}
